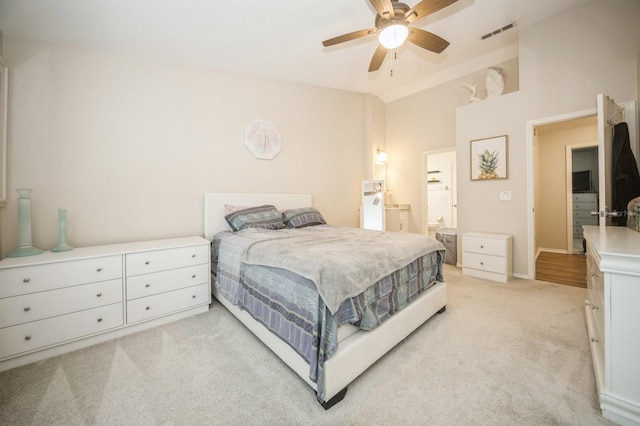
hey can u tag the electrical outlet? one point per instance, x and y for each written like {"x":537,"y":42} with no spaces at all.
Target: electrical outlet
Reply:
{"x":505,"y":195}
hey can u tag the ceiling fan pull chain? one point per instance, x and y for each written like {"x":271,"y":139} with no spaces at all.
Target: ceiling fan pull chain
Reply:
{"x":394,"y":56}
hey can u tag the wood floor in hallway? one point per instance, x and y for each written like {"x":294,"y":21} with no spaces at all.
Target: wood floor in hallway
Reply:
{"x":560,"y":268}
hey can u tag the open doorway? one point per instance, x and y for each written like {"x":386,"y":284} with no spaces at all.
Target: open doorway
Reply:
{"x":439,"y":191}
{"x":582,"y":184}
{"x":560,"y":212}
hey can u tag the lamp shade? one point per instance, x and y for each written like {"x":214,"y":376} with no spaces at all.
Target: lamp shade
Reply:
{"x":393,"y":36}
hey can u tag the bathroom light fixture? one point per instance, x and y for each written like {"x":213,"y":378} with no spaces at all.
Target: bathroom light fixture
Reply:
{"x":393,"y":36}
{"x":381,"y":155}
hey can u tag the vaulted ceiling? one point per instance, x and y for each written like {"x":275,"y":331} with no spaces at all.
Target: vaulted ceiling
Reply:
{"x":282,"y":38}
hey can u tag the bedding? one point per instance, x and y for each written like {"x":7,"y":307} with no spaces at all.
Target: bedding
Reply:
{"x":268,"y":274}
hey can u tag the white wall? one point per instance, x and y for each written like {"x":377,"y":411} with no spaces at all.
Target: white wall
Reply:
{"x":129,"y":145}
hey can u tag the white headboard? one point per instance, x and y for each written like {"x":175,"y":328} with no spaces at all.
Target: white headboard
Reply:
{"x":214,"y":207}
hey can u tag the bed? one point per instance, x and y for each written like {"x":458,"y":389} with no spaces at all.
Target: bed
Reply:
{"x":348,"y":348}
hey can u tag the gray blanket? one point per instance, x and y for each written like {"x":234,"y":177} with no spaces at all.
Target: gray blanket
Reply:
{"x":342,"y":262}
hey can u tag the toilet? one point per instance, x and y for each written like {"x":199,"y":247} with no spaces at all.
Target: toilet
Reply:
{"x":432,"y":227}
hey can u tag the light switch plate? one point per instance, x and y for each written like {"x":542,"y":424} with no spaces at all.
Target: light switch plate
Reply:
{"x":505,"y":195}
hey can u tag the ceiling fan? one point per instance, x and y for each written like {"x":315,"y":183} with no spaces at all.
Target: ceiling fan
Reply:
{"x":392,"y":26}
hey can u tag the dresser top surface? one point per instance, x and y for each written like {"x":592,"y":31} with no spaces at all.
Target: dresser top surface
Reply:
{"x":614,"y":240}
{"x":99,"y":251}
{"x":486,"y":235}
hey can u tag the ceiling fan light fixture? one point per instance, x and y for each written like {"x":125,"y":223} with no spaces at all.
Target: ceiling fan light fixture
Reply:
{"x":393,"y":36}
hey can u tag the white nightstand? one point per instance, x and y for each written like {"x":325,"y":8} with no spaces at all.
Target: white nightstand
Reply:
{"x":487,"y":256}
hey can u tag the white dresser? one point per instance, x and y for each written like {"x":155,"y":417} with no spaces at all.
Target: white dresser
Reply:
{"x":583,"y":204}
{"x":52,"y":303}
{"x":613,"y":319}
{"x":487,"y":256}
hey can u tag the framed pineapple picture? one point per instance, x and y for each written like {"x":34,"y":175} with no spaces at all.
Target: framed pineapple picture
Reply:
{"x":489,"y":158}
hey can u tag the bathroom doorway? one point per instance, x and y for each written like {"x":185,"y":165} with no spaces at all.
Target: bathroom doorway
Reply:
{"x":440,"y":190}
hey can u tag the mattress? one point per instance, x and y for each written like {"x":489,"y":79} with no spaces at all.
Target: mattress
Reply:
{"x":290,"y":305}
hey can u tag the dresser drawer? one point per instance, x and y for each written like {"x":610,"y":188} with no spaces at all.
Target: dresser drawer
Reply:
{"x":580,"y":221}
{"x":583,"y":214}
{"x":166,"y":303}
{"x":484,"y":245}
{"x":160,"y":282}
{"x":39,"y":334}
{"x":45,"y":304}
{"x":50,"y":276}
{"x":162,"y":260}
{"x":585,"y":197}
{"x":585,"y":206}
{"x":497,"y":264}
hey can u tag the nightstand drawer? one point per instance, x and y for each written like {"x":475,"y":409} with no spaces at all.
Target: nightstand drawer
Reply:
{"x":484,"y":245}
{"x":497,"y":264}
{"x":162,"y":260}
{"x":50,"y":276}
{"x":38,"y":334}
{"x":161,"y":282}
{"x":161,"y":304}
{"x":45,"y":304}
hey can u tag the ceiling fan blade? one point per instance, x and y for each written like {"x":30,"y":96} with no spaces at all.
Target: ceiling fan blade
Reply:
{"x":426,"y":7}
{"x":378,"y":57}
{"x":383,"y":7}
{"x":427,"y":40}
{"x":349,"y":36}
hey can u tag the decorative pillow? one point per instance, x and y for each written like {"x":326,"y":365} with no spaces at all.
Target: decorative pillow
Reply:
{"x":230,"y":208}
{"x":265,"y":217}
{"x":305,"y":216}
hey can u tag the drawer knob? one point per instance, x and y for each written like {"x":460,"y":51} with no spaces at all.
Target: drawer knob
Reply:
{"x":27,"y":337}
{"x":193,"y":255}
{"x":193,"y":297}
{"x":99,"y":270}
{"x":99,"y":295}
{"x":27,"y":308}
{"x":26,"y":280}
{"x":99,"y":319}
{"x":147,"y":285}
{"x":193,"y":276}
{"x":481,"y":246}
{"x":482,"y":263}
{"x":147,"y":262}
{"x":147,"y":308}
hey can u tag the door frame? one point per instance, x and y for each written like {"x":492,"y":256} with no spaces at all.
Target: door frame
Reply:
{"x":631,"y":118}
{"x":569,"y":189}
{"x":423,"y":181}
{"x":531,"y":181}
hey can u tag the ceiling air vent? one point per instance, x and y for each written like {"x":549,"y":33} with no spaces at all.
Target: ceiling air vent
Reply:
{"x":498,"y":31}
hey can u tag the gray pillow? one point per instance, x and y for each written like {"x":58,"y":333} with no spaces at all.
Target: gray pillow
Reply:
{"x":305,"y":216}
{"x":265,"y":217}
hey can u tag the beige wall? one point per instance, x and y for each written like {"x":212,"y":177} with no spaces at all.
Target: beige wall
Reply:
{"x":129,"y":145}
{"x":426,"y":122}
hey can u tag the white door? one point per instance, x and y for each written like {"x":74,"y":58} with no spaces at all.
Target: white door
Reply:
{"x":608,"y":113}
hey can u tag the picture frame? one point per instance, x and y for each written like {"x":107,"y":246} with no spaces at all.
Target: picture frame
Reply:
{"x":4,"y":96}
{"x":489,"y":158}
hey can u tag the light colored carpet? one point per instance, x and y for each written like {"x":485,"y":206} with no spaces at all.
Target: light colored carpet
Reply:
{"x":512,"y":354}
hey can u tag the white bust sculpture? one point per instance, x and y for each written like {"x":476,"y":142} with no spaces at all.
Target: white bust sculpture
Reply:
{"x":494,"y":81}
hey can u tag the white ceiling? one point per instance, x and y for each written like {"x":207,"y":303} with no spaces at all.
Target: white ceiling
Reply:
{"x":282,"y":38}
